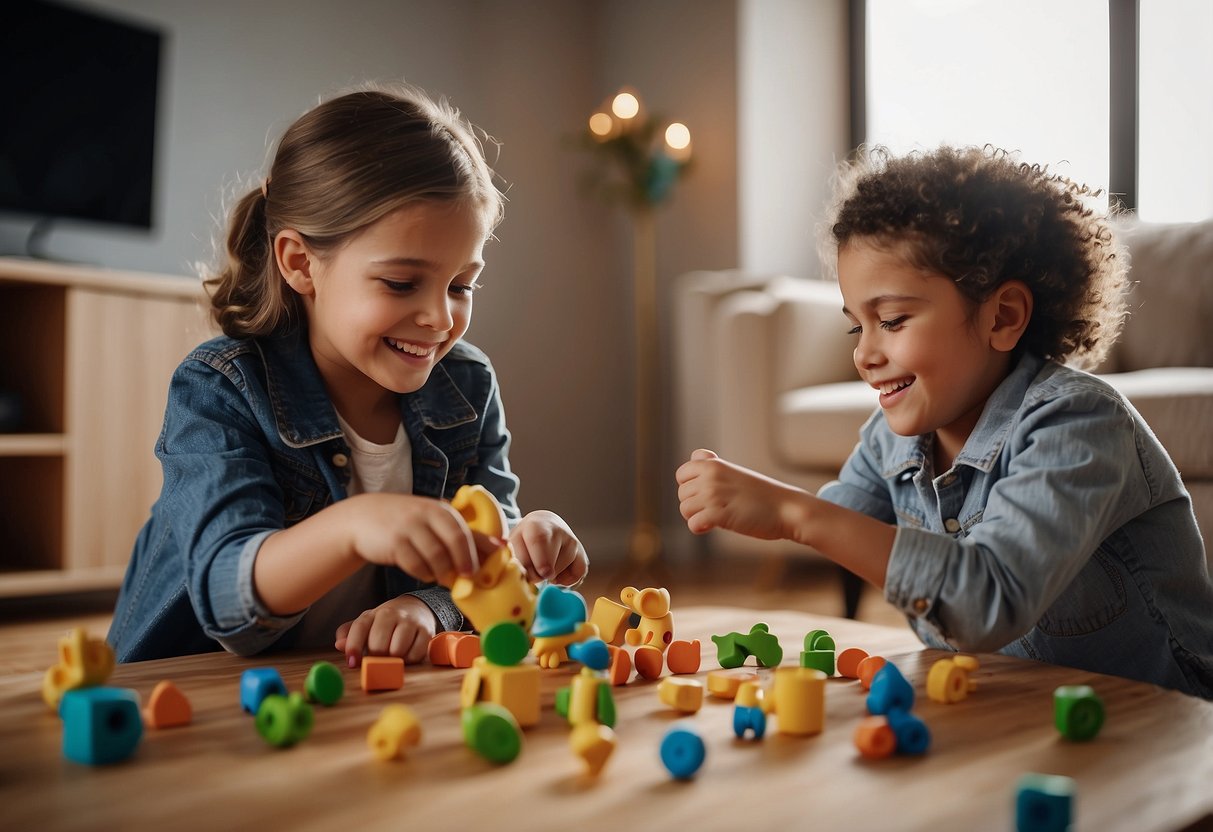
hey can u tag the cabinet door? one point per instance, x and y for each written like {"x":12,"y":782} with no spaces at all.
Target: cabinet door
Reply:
{"x":121,"y":351}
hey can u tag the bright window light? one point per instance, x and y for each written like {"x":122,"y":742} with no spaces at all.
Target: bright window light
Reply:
{"x":1028,"y":75}
{"x":1175,"y":111}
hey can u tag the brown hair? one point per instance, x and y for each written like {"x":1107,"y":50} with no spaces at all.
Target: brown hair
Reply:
{"x":982,"y":218}
{"x":342,"y":166}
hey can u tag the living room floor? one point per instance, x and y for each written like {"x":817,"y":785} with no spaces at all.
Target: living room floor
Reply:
{"x":30,"y":628}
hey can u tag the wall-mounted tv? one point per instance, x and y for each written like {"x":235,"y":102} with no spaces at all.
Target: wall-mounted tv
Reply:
{"x":78,"y":114}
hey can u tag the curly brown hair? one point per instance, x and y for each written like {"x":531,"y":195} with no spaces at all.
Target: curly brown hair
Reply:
{"x":981,"y":217}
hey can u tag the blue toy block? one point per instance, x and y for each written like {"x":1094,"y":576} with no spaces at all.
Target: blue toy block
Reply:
{"x":746,"y":718}
{"x":256,"y":683}
{"x":592,"y":653}
{"x":911,"y":733}
{"x":1043,"y":803}
{"x":890,"y":692}
{"x":558,"y":611}
{"x":100,"y":725}
{"x":682,"y":752}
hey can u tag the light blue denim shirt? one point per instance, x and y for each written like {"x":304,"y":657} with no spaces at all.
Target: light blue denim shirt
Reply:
{"x":1062,"y":533}
{"x":251,"y":445}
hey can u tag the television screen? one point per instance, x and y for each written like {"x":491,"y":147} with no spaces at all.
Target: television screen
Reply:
{"x":78,"y":115}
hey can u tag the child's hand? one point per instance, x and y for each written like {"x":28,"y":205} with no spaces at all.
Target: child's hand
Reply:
{"x":716,"y":494}
{"x":401,"y":627}
{"x":548,"y":550}
{"x":426,"y":538}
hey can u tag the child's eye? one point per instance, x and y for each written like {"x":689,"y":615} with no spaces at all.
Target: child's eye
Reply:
{"x":398,"y":285}
{"x":464,"y":289}
{"x":855,"y":330}
{"x":893,"y":325}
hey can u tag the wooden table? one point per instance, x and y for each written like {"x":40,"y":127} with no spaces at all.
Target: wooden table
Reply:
{"x":1150,"y":768}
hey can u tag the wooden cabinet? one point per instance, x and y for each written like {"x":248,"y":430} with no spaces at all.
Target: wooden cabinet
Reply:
{"x":88,"y":354}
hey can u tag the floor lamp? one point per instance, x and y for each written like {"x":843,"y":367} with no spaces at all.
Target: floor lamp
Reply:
{"x":641,"y":172}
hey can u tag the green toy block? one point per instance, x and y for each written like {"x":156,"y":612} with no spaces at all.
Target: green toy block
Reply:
{"x":1077,"y":712}
{"x":728,"y":652}
{"x":606,"y":705}
{"x":562,"y":701}
{"x":762,"y":645}
{"x":818,"y":652}
{"x":324,"y":684}
{"x":818,"y":640}
{"x":284,"y":720}
{"x":492,"y":732}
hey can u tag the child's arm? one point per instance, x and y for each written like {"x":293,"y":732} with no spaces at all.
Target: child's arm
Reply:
{"x":714,"y":493}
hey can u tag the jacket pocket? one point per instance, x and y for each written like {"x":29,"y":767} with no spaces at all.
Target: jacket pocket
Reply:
{"x":1093,"y":600}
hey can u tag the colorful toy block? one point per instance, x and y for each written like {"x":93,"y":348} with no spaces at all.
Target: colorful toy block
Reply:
{"x":724,"y":684}
{"x":890,"y":691}
{"x":498,"y":590}
{"x":656,"y":627}
{"x":874,"y":738}
{"x":283,"y":721}
{"x":611,"y":619}
{"x":324,"y":684}
{"x":1078,"y":713}
{"x":684,"y":657}
{"x":911,"y":733}
{"x":593,"y":653}
{"x":167,"y":707}
{"x":684,"y":695}
{"x":818,"y":652}
{"x":587,"y":699}
{"x":83,"y":663}
{"x":621,"y":666}
{"x":451,"y":649}
{"x":551,"y":651}
{"x":848,"y":662}
{"x":867,"y":670}
{"x":514,"y":688}
{"x":649,"y":662}
{"x":256,"y":683}
{"x":504,"y":644}
{"x":382,"y":673}
{"x":749,"y":714}
{"x":733,"y":649}
{"x":948,"y":680}
{"x":594,"y":744}
{"x":101,"y":725}
{"x":1044,"y":803}
{"x":558,"y":611}
{"x":798,"y":700}
{"x":396,"y":731}
{"x":682,"y":752}
{"x":492,"y":732}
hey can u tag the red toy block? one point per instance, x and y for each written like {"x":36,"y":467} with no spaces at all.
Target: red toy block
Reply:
{"x":683,"y":656}
{"x":382,"y":673}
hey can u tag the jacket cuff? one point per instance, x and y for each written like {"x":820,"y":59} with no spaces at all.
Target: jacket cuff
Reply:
{"x":916,"y":573}
{"x":248,"y":627}
{"x":438,"y":599}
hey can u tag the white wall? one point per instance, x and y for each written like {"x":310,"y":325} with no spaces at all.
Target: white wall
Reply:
{"x":555,"y":314}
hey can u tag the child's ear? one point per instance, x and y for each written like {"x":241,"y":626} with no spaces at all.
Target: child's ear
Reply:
{"x":295,"y":260}
{"x":1011,"y":305}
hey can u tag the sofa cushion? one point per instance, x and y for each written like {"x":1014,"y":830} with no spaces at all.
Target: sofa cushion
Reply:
{"x":1177,"y":404}
{"x":817,"y":427}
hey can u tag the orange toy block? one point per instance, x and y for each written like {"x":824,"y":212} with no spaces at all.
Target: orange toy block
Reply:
{"x":848,"y":662}
{"x":611,"y":618}
{"x":683,"y":657}
{"x":621,"y":666}
{"x":874,"y":738}
{"x":382,"y":673}
{"x":167,"y":707}
{"x":451,"y":649}
{"x":649,"y":662}
{"x":867,"y":670}
{"x":723,"y":684}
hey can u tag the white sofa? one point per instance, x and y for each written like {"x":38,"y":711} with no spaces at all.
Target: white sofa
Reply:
{"x":765,"y":377}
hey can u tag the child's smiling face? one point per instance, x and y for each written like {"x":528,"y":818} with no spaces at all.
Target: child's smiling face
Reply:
{"x":386,"y":306}
{"x":921,"y":343}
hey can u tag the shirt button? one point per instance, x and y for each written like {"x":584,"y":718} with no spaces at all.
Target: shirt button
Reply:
{"x":952,"y":524}
{"x":340,"y":460}
{"x":920,"y":605}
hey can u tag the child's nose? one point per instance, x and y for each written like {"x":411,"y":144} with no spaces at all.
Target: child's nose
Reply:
{"x":867,"y":353}
{"x":435,"y":312}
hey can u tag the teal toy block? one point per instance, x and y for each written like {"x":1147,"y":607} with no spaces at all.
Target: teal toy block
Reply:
{"x":558,"y":611}
{"x":682,"y":751}
{"x":101,"y":725}
{"x":733,"y":649}
{"x":324,"y":684}
{"x":911,"y":733}
{"x":1044,"y":803}
{"x":283,"y":721}
{"x":1078,"y":713}
{"x":890,"y":692}
{"x":256,"y":683}
{"x":818,"y":652}
{"x":592,"y":653}
{"x":747,"y":719}
{"x":492,"y":732}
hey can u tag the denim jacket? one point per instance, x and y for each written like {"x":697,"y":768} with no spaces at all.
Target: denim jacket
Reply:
{"x":1062,"y":533}
{"x":251,"y":445}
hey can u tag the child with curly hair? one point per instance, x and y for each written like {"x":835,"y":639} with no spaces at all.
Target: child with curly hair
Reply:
{"x":1004,"y":500}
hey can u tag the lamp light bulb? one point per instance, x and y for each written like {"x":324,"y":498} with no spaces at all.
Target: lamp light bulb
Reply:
{"x":600,"y":125}
{"x":678,"y":140}
{"x":625,"y":105}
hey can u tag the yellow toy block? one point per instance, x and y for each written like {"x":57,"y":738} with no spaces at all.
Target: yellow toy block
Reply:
{"x":498,"y":590}
{"x":656,"y":627}
{"x":396,"y":730}
{"x":751,"y":695}
{"x":684,"y":695}
{"x":724,"y":684}
{"x":948,"y":680}
{"x":611,"y":618}
{"x":583,"y":697}
{"x":593,"y":743}
{"x":515,"y":688}
{"x":83,"y":663}
{"x":799,"y":700}
{"x":550,"y":651}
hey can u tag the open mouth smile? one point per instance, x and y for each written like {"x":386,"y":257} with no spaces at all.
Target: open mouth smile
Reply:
{"x":416,"y":350}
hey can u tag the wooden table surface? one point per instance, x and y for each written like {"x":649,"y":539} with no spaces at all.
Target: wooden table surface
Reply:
{"x":1150,"y":768}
